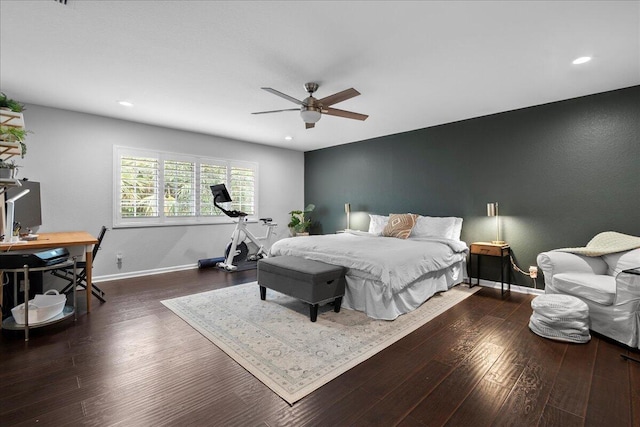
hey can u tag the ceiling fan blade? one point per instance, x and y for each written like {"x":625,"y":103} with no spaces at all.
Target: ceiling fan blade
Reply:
{"x":343,"y":113}
{"x":282,"y":95}
{"x":276,"y":111}
{"x":339,"y":97}
{"x":309,"y":125}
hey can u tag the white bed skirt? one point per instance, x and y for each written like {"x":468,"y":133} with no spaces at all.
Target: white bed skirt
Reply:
{"x":365,"y":294}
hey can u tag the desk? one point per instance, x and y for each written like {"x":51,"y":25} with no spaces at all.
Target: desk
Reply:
{"x":59,"y":240}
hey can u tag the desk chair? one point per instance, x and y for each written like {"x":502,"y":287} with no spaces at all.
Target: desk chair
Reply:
{"x":81,"y":277}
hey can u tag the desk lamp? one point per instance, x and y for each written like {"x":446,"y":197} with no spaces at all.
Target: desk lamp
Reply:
{"x":8,"y":230}
{"x":492,"y":210}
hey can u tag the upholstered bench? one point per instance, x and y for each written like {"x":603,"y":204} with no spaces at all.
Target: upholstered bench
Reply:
{"x":313,"y":282}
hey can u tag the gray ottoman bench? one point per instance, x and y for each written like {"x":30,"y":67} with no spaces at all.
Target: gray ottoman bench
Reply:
{"x":313,"y":282}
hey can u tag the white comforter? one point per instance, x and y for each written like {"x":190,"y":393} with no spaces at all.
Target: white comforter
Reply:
{"x":395,"y":262}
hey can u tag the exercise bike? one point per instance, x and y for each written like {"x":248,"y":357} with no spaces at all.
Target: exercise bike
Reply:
{"x":244,"y":244}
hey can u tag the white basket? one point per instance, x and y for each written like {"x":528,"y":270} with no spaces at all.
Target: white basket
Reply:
{"x":41,"y":308}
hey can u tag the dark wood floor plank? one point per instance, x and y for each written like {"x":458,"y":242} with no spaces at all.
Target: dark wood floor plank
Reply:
{"x":609,"y":403}
{"x":401,"y":400}
{"x":554,"y":417}
{"x":573,"y":383}
{"x":634,"y":379}
{"x":133,"y":362}
{"x":449,"y":394}
{"x":71,"y":415}
{"x":610,"y":396}
{"x":527,"y":399}
{"x":481,"y":406}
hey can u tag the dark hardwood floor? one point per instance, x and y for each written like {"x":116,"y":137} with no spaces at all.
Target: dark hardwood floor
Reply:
{"x":132,"y":362}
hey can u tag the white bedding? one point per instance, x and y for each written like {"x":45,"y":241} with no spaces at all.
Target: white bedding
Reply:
{"x":395,"y":263}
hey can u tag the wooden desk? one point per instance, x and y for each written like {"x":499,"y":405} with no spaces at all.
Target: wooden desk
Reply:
{"x":59,"y":240}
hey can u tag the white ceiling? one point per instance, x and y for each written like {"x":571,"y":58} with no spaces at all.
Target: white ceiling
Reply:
{"x":199,"y":65}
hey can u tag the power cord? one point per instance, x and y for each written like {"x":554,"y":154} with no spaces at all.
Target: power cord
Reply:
{"x":532,"y":273}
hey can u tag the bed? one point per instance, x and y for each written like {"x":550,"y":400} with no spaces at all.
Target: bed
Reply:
{"x":388,"y":276}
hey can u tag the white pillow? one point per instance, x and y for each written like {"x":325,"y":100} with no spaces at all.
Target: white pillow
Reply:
{"x":377,"y":224}
{"x":457,"y":229}
{"x":438,"y":227}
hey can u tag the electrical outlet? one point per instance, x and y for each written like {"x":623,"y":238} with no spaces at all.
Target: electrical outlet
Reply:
{"x":533,"y":271}
{"x":119,"y":257}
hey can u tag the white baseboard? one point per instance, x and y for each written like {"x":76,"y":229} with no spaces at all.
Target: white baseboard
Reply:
{"x":132,"y":274}
{"x":514,"y":288}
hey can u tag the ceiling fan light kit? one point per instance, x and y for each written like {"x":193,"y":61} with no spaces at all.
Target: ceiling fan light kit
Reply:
{"x":310,"y":114}
{"x":312,"y":109}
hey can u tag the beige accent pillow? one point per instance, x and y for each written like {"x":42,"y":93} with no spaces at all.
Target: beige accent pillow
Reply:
{"x":400,"y":225}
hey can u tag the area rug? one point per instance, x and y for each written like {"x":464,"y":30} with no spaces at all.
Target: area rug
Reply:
{"x":277,"y":343}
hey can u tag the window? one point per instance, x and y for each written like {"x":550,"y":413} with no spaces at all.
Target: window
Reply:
{"x":161,"y":188}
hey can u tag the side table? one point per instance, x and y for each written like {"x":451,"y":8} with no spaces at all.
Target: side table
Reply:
{"x":67,"y":311}
{"x":481,"y":249}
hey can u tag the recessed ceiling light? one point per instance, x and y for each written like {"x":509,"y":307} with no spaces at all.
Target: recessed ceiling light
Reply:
{"x":125,"y":103}
{"x":288,"y":138}
{"x":581,"y":60}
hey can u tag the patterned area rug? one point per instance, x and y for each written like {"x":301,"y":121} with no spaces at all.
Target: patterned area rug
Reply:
{"x":279,"y":345}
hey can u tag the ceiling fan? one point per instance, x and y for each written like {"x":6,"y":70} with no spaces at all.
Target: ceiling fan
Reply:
{"x":311,"y":109}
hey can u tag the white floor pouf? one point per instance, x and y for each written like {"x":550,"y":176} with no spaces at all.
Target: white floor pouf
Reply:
{"x":560,"y":317}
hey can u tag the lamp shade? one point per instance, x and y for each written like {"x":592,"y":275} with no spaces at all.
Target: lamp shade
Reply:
{"x":492,"y":209}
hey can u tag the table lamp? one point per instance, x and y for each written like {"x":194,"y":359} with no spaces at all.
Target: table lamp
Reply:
{"x":8,"y":230}
{"x":347,"y":209}
{"x":492,"y":210}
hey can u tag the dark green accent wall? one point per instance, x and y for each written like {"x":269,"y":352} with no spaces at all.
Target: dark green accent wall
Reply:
{"x":561,"y":172}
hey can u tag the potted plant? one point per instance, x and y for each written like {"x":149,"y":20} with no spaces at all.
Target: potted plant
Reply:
{"x":14,"y":134}
{"x":7,"y":169}
{"x":7,"y":103}
{"x":298,"y":225}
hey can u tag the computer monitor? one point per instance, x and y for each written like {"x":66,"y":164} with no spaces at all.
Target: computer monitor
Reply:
{"x":220,"y":193}
{"x":27,"y":209}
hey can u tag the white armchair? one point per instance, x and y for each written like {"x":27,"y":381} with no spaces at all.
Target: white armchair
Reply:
{"x":605,"y":283}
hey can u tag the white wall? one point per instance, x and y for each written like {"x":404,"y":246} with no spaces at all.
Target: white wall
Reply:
{"x":71,"y":154}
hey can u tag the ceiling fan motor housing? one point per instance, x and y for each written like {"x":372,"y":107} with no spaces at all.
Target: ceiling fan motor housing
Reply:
{"x":311,"y":87}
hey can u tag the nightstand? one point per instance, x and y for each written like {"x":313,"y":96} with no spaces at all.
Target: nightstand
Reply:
{"x":482,"y":249}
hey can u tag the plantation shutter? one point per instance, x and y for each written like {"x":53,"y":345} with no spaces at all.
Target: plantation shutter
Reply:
{"x":138,"y":187}
{"x":242,"y":183}
{"x":211,"y":174}
{"x":179,"y":185}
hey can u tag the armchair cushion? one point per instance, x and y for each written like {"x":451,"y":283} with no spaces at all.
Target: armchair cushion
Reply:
{"x":598,"y":288}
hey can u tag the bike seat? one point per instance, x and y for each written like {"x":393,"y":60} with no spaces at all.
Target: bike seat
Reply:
{"x":266,"y":220}
{"x":235,"y":214}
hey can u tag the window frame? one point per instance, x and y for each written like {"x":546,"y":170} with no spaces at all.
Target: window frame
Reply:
{"x":162,"y":219}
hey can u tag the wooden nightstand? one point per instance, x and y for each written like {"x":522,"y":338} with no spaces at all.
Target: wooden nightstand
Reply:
{"x":480,"y":249}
